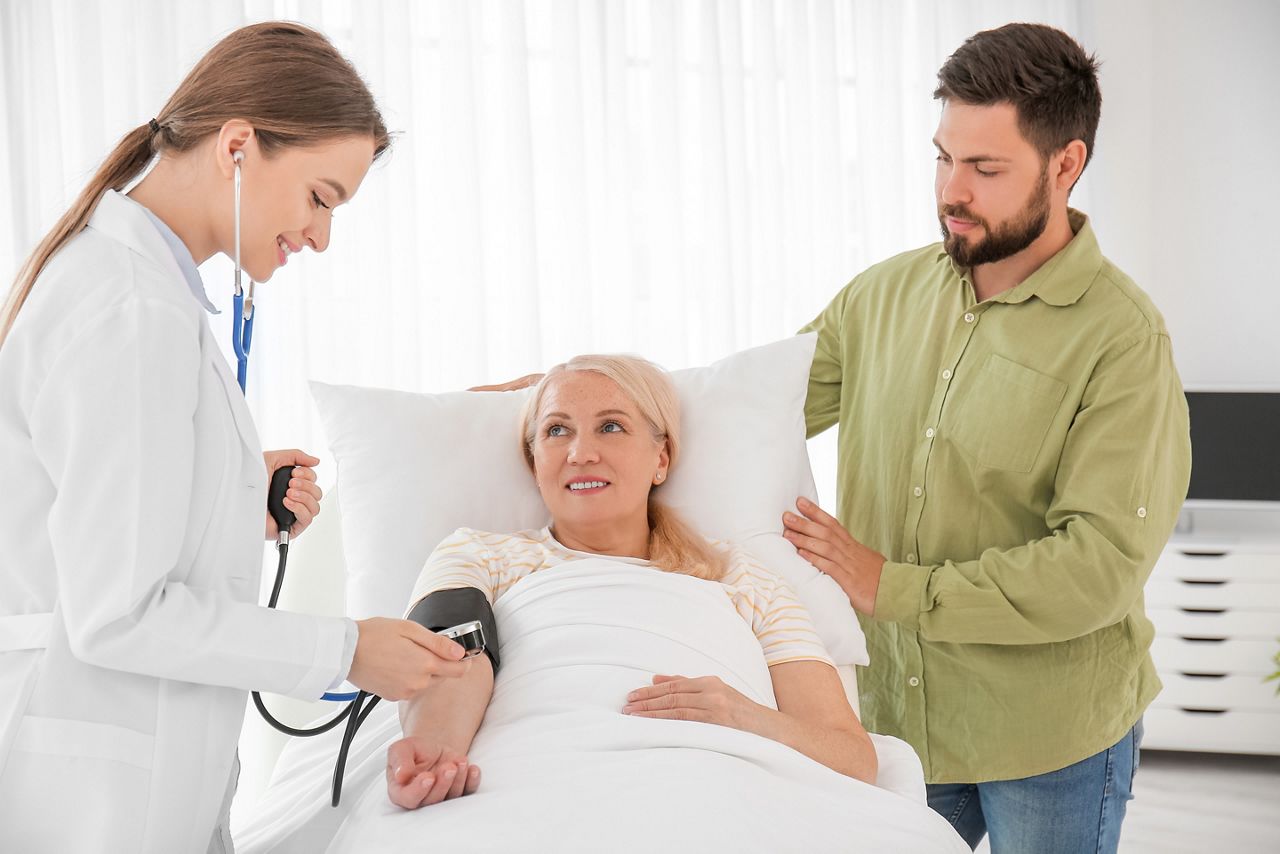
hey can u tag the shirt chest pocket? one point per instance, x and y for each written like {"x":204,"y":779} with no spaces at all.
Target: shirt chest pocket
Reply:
{"x":1002,"y":420}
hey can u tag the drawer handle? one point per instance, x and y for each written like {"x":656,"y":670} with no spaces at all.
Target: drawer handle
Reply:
{"x":1209,"y":611}
{"x":1191,"y":711}
{"x":1202,"y":554}
{"x":1202,"y":675}
{"x":1204,"y":582}
{"x":1193,"y":639}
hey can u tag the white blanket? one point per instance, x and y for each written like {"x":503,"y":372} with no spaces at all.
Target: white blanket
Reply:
{"x":564,"y":770}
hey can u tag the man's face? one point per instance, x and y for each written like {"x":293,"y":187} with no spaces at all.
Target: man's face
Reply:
{"x":992,"y":186}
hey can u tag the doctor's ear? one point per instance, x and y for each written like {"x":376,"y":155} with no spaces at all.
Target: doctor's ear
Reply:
{"x":235,"y":141}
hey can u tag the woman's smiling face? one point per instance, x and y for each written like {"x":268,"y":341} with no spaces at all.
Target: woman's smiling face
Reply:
{"x":287,"y":199}
{"x":595,"y":457}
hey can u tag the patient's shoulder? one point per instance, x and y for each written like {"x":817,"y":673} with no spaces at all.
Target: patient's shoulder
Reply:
{"x":745,"y":569}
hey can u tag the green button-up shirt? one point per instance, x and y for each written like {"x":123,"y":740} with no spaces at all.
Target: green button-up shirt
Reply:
{"x":1021,"y":463}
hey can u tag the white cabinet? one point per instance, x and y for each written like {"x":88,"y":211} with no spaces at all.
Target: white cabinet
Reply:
{"x":1214,"y":597}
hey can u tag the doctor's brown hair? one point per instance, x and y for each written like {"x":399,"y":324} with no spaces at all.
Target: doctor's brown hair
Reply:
{"x":673,"y":545}
{"x":239,"y":78}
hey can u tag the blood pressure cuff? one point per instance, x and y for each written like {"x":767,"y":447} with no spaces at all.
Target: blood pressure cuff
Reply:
{"x":447,"y":608}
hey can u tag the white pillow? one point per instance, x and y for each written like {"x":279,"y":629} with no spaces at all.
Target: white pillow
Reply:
{"x":414,"y":467}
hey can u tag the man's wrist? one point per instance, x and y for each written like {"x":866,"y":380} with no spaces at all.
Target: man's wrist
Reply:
{"x":899,"y":593}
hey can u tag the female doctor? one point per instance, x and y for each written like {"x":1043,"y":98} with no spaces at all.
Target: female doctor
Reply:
{"x":133,"y":492}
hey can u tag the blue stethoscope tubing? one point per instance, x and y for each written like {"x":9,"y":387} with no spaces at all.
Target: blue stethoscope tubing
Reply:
{"x":242,"y":315}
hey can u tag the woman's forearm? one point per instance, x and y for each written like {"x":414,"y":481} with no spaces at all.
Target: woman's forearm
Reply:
{"x":450,"y":710}
{"x":845,"y":749}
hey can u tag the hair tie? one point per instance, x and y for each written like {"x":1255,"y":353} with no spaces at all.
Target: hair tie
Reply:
{"x":155,"y":126}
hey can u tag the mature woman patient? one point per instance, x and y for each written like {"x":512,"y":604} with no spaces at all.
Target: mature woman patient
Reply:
{"x":655,"y":690}
{"x":601,"y":435}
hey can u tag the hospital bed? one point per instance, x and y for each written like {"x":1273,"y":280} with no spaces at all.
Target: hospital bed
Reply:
{"x":624,"y":773}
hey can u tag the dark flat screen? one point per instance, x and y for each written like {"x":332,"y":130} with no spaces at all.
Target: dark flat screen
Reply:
{"x":1235,"y":446}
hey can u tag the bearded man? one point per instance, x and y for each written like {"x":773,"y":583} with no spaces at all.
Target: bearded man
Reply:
{"x":1013,"y":453}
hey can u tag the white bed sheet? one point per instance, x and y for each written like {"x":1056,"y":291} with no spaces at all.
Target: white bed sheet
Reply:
{"x":564,"y":770}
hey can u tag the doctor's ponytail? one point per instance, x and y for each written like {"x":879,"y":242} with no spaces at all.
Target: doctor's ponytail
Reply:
{"x":239,"y":78}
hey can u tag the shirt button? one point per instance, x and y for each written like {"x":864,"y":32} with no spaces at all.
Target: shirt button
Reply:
{"x":946,"y":375}
{"x":917,"y":492}
{"x":1142,"y":512}
{"x":911,"y":558}
{"x":929,"y":433}
{"x":913,"y":681}
{"x":968,"y":317}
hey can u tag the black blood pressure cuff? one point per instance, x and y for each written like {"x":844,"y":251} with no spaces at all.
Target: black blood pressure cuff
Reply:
{"x":447,"y":608}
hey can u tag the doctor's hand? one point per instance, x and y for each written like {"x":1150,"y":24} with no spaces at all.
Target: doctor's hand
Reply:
{"x":396,"y":659}
{"x":421,"y":772}
{"x":706,"y":699}
{"x":515,"y":385}
{"x":303,"y":497}
{"x":823,"y":541}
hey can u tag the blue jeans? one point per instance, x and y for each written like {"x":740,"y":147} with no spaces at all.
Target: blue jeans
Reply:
{"x":1074,"y":810}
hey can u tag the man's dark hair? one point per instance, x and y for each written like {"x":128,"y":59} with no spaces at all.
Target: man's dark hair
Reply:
{"x":1041,"y":71}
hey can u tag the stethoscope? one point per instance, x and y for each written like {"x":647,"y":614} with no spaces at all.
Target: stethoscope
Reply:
{"x":241,"y":340}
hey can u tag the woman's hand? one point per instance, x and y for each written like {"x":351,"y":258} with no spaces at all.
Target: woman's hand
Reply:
{"x":396,"y":659}
{"x":706,"y":699}
{"x":421,"y":772}
{"x":303,"y":497}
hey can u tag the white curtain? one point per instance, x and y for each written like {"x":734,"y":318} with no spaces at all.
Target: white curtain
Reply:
{"x":676,"y":178}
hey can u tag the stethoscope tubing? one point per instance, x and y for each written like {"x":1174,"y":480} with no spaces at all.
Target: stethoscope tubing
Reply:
{"x":241,"y":316}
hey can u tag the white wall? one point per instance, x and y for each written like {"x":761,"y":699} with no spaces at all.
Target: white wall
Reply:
{"x":1185,"y":187}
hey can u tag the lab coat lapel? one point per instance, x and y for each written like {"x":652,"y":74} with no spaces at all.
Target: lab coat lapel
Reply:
{"x":235,"y":397}
{"x":124,"y":220}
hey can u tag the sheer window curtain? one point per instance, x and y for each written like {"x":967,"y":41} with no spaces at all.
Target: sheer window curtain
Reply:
{"x":676,"y":178}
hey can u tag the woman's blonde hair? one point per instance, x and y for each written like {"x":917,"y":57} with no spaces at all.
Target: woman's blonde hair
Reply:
{"x":673,"y":544}
{"x":239,"y":78}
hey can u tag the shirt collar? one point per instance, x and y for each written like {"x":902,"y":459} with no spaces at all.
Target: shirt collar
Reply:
{"x":1064,"y":278}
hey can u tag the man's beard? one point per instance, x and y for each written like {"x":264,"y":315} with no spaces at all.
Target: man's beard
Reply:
{"x":1008,"y":239}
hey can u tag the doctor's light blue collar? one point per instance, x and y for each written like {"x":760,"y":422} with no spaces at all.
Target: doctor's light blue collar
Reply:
{"x":242,"y":329}
{"x":182,"y":255}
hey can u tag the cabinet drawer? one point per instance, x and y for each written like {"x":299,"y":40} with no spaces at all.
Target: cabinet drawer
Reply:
{"x":1213,"y":593}
{"x":1204,"y":691}
{"x":1178,"y":562}
{"x":1227,"y":732}
{"x":1237,"y":657}
{"x":1216,"y":622}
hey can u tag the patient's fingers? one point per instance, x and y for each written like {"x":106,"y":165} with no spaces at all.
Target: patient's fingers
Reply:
{"x":473,"y":779}
{"x":459,"y":781}
{"x":445,"y":775}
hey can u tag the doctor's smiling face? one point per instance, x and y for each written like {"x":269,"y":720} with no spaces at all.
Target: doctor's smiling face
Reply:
{"x":595,"y":458}
{"x":288,"y":197}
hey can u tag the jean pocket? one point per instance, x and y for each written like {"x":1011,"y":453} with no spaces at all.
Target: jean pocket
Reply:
{"x":1003,"y":418}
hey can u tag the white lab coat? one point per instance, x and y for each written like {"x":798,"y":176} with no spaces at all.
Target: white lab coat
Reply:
{"x":132,"y":506}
